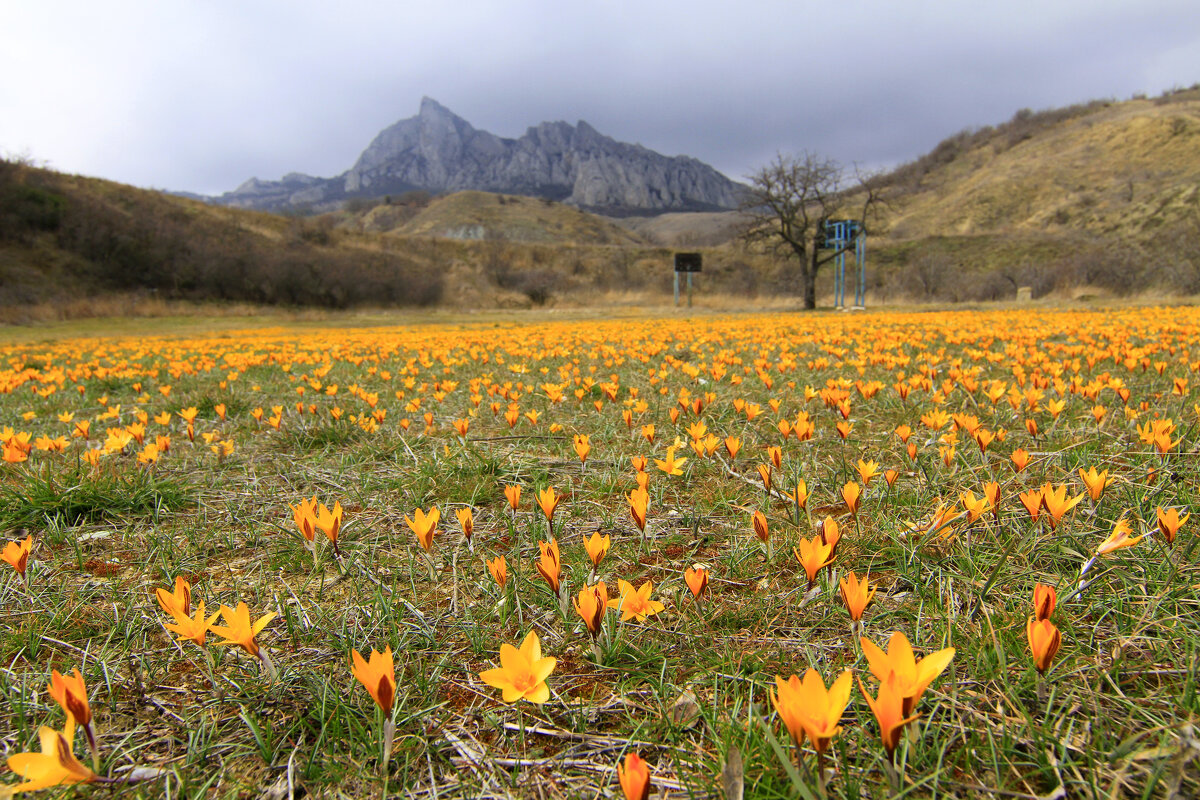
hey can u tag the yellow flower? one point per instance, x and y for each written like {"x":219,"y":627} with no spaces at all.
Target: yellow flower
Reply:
{"x":522,"y":673}
{"x":912,"y":676}
{"x":591,"y":605}
{"x":423,"y":525}
{"x":550,"y":564}
{"x":1120,"y":537}
{"x":498,"y":568}
{"x":56,"y":765}
{"x":192,"y":628}
{"x":856,"y":594}
{"x":634,"y":776}
{"x":177,"y":602}
{"x":238,"y":629}
{"x":1044,"y":641}
{"x":810,"y":706}
{"x":813,"y":554}
{"x":597,"y":548}
{"x":635,"y":603}
{"x":17,"y":554}
{"x":548,"y":500}
{"x":378,"y":675}
{"x":672,"y":465}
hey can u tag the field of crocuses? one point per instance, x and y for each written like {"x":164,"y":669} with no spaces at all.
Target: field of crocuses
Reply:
{"x":814,"y":555}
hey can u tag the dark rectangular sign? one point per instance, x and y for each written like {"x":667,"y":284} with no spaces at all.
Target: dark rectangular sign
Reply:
{"x":687,"y":262}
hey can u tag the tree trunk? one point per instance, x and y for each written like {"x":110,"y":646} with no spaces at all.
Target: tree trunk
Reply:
{"x":810,"y":289}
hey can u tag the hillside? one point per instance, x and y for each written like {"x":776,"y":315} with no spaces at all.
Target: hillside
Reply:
{"x":512,"y":218}
{"x":65,"y":236}
{"x":1097,"y":198}
{"x":1104,"y":194}
{"x":1126,"y":169}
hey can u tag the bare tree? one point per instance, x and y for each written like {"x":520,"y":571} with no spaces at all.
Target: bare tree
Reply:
{"x":792,"y":198}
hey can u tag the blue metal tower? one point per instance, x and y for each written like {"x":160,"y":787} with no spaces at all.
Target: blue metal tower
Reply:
{"x":841,"y":235}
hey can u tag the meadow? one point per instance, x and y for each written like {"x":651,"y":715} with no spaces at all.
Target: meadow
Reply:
{"x":585,"y":558}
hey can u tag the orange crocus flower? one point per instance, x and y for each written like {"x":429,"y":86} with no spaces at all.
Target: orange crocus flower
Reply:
{"x":56,"y":765}
{"x":498,"y":568}
{"x":1032,"y":500}
{"x":513,"y":495}
{"x":550,"y":564}
{"x":696,"y":578}
{"x":597,"y":547}
{"x":582,"y":447}
{"x":1044,"y":600}
{"x":852,"y":494}
{"x":635,"y":603}
{"x":810,"y":706}
{"x":548,"y":500}
{"x":192,"y":629}
{"x":178,"y":602}
{"x":888,"y":708}
{"x":671,"y":465}
{"x":70,"y":692}
{"x":466,"y":521}
{"x":1169,"y":522}
{"x":1044,"y":642}
{"x":591,"y":605}
{"x":732,"y":446}
{"x":329,"y":522}
{"x":639,"y":502}
{"x":522,"y":673}
{"x":813,"y":554}
{"x":1096,"y":482}
{"x":867,"y":470}
{"x":759,"y":520}
{"x":912,"y":676}
{"x":17,"y":554}
{"x":856,"y":594}
{"x":1120,"y":537}
{"x":378,"y":675}
{"x":424,"y":526}
{"x":239,"y":630}
{"x":634,"y":776}
{"x":1055,"y":501}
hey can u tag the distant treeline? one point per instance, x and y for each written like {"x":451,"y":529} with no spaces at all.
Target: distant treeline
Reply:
{"x":100,"y":237}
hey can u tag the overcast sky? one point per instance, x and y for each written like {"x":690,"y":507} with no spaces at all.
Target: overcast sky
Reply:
{"x":200,"y":95}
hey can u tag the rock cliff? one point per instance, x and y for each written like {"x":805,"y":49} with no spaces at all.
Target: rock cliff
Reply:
{"x":440,"y":152}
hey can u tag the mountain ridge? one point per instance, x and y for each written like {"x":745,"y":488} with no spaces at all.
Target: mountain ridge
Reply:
{"x":439,"y":151}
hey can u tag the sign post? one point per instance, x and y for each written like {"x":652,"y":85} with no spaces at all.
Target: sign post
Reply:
{"x":689,"y":263}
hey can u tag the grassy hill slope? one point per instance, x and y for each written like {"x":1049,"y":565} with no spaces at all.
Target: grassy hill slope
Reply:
{"x":1103,"y":195}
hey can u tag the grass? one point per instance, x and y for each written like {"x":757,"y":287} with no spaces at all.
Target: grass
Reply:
{"x":75,"y":495}
{"x":687,"y":689}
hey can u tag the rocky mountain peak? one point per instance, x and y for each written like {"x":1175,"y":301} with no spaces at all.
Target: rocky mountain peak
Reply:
{"x":441,"y":152}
